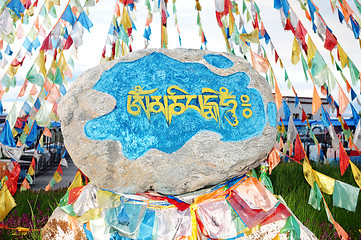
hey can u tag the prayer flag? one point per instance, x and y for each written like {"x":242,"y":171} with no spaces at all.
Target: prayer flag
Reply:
{"x":278,"y":96}
{"x":342,"y":56}
{"x":311,"y":50}
{"x":299,"y":152}
{"x":7,"y":202}
{"x":315,"y":197}
{"x":273,"y":159}
{"x":260,"y":64}
{"x":252,"y":37}
{"x":291,"y":131}
{"x":16,"y":6}
{"x":345,"y":196}
{"x":316,"y":101}
{"x":344,"y":159}
{"x":6,"y":136}
{"x":286,"y":109}
{"x":325,"y":183}
{"x":69,"y":16}
{"x":293,"y":227}
{"x":85,"y":21}
{"x":356,"y":174}
{"x":330,"y":41}
{"x":343,"y":100}
{"x":296,"y":51}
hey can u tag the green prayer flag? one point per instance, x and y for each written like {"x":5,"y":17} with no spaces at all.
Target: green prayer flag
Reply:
{"x":71,"y":62}
{"x":293,"y":227}
{"x":315,"y":197}
{"x":358,"y":5}
{"x":338,"y":67}
{"x":355,"y":74}
{"x":32,"y":33}
{"x":42,"y":117}
{"x":256,"y":7}
{"x":25,"y":19}
{"x":43,"y":11}
{"x":248,"y":16}
{"x":286,"y":76}
{"x":304,"y":66}
{"x":23,"y":137}
{"x":7,"y":81}
{"x":123,"y":35}
{"x":29,"y":178}
{"x":244,"y":7}
{"x":289,"y":84}
{"x":345,"y":196}
{"x":147,"y":3}
{"x":34,"y":77}
{"x":318,"y":64}
{"x":47,"y":22}
{"x":58,"y":78}
{"x":265,"y":180}
{"x":52,"y":182}
{"x":52,"y":12}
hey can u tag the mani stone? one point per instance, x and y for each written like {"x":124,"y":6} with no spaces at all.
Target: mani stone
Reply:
{"x":171,"y":121}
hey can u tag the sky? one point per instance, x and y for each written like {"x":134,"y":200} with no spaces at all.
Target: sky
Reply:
{"x":89,"y":54}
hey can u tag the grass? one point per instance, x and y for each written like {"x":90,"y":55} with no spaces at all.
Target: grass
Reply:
{"x":289,"y":182}
{"x":35,"y":207}
{"x":32,"y":211}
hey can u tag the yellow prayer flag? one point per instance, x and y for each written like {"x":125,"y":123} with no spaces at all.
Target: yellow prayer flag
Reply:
{"x":311,"y":50}
{"x":342,"y":56}
{"x":164,"y":37}
{"x":77,"y":182}
{"x":12,"y":70}
{"x":332,"y":58}
{"x":57,"y":177}
{"x":296,"y":51}
{"x":26,"y":128}
{"x":308,"y":173}
{"x":40,"y":61}
{"x":126,"y":22}
{"x":7,"y":202}
{"x":252,"y":37}
{"x":63,"y":65}
{"x":356,"y":174}
{"x":107,"y":199}
{"x":53,"y":116}
{"x":277,"y":237}
{"x":231,"y":23}
{"x":48,"y":4}
{"x":31,"y":170}
{"x":325,"y":183}
{"x":30,"y":11}
{"x":14,"y":132}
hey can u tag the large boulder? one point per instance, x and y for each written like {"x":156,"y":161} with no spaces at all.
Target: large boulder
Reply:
{"x":172,"y":121}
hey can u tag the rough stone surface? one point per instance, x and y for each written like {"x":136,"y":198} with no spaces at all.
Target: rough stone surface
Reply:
{"x":204,"y":160}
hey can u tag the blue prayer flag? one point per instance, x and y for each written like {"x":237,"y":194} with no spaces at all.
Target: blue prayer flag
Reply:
{"x":16,"y":6}
{"x":62,"y":89}
{"x":312,"y":9}
{"x":267,"y":38}
{"x":277,"y":4}
{"x":355,"y":28}
{"x":6,"y":136}
{"x":69,"y":16}
{"x":340,"y":15}
{"x":355,"y":115}
{"x":85,"y":21}
{"x":353,"y":94}
{"x":30,"y":139}
{"x":286,"y":110}
{"x":297,"y":101}
{"x":1,"y":108}
{"x":286,"y":7}
{"x":37,"y":104}
{"x":36,"y":43}
{"x":325,"y":118}
{"x":28,"y":45}
{"x":8,"y":50}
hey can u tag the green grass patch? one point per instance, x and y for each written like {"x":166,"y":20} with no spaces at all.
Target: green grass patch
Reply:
{"x":32,"y":211}
{"x":289,"y":182}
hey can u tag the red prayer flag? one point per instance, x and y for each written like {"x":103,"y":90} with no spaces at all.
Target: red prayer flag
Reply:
{"x":273,"y":159}
{"x":304,"y":116}
{"x":344,"y":159}
{"x":68,"y":43}
{"x":300,"y":32}
{"x":47,"y":45}
{"x":23,"y":88}
{"x":299,"y":152}
{"x":330,"y":41}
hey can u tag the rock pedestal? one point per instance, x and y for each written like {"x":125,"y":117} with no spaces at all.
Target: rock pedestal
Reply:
{"x":172,"y":121}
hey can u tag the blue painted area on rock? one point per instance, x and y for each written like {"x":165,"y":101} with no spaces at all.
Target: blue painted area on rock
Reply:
{"x":162,"y":103}
{"x":218,"y":61}
{"x":272,"y":114}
